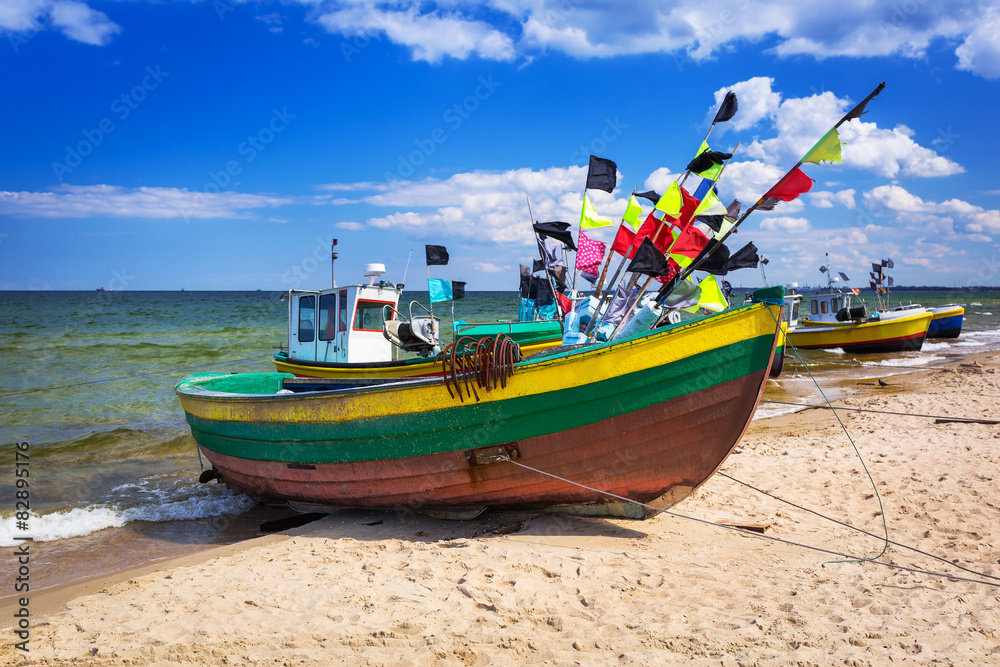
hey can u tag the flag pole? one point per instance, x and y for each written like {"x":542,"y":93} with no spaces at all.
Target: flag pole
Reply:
{"x":607,"y":262}
{"x":856,"y":112}
{"x":541,"y":251}
{"x":711,"y":127}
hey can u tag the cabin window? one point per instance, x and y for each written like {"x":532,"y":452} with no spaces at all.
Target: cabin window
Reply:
{"x":835,"y":305}
{"x":327,"y":316}
{"x":343,"y":310}
{"x":307,"y":316}
{"x":795,"y":312}
{"x":368,"y":316}
{"x":814,"y":308}
{"x":823,"y":307}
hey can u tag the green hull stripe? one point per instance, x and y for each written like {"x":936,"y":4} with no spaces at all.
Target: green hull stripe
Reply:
{"x":471,"y":425}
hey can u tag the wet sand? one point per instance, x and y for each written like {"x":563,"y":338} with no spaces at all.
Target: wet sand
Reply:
{"x":386,"y":588}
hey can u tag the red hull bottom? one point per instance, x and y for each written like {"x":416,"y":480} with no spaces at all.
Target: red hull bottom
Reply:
{"x":669,"y":448}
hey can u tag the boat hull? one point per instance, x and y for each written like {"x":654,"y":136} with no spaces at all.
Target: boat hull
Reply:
{"x":901,"y":334}
{"x":648,"y":417}
{"x":947,"y":322}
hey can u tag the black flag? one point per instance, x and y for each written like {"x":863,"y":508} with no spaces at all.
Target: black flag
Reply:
{"x":716,"y":260}
{"x":877,"y":270}
{"x":744,"y":258}
{"x":889,"y":263}
{"x":651,"y":195}
{"x":649,"y":260}
{"x":859,"y":110}
{"x":706,"y":159}
{"x":602,"y":175}
{"x":457,"y":289}
{"x":890,"y":281}
{"x":556,"y":230}
{"x":525,"y":281}
{"x":767,"y":204}
{"x":537,"y":265}
{"x":436,"y":255}
{"x":843,"y":277}
{"x":728,"y":108}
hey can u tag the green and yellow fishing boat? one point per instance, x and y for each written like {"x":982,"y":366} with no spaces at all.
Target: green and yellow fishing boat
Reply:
{"x":647,"y":417}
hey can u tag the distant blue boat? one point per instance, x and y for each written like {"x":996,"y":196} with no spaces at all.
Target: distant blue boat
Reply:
{"x":947,"y":321}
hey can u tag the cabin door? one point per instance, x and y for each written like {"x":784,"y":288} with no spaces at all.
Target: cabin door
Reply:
{"x":302,"y":334}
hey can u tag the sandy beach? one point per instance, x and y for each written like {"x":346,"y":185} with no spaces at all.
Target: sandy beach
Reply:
{"x":504,"y":589}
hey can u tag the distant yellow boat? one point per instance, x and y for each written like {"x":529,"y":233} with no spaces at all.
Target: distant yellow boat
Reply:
{"x":833,"y":323}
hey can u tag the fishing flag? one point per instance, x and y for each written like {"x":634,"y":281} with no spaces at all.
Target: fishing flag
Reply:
{"x":525,"y":281}
{"x":872,"y":283}
{"x":708,"y":163}
{"x":440,"y":290}
{"x":715,"y":258}
{"x":556,"y":230}
{"x":890,"y":281}
{"x":565,"y":303}
{"x":633,"y":213}
{"x":590,"y":254}
{"x":710,"y":205}
{"x":728,"y":108}
{"x":889,"y":263}
{"x":859,"y":110}
{"x":651,"y":195}
{"x":826,"y":149}
{"x":649,"y":260}
{"x":457,"y":289}
{"x":767,"y":204}
{"x":623,"y":241}
{"x":712,"y":297}
{"x":437,"y":255}
{"x":690,"y":242}
{"x":543,"y":296}
{"x":791,"y":185}
{"x":671,"y":201}
{"x":589,"y":218}
{"x":744,"y":258}
{"x":877,"y":270}
{"x":602,"y":174}
{"x":550,"y":260}
{"x":843,"y":276}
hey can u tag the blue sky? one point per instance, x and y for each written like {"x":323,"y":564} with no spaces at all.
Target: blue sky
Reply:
{"x":220,"y":144}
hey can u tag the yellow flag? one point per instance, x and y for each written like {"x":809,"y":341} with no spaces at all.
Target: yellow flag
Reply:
{"x":712,"y":173}
{"x":710,"y":205}
{"x":712,"y":297}
{"x":633,"y":213}
{"x":589,"y":217}
{"x":827,"y":148}
{"x":671,"y":201}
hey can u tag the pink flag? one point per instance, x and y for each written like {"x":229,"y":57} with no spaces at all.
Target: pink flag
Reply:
{"x":589,"y":254}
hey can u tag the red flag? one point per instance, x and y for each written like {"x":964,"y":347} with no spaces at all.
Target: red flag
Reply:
{"x":623,"y":240}
{"x":657,"y":230}
{"x":690,"y":243}
{"x":589,"y":254}
{"x":689,"y":205}
{"x":565,"y":303}
{"x":791,"y":186}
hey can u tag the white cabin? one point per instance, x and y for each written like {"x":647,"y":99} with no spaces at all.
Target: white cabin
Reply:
{"x":832,"y":307}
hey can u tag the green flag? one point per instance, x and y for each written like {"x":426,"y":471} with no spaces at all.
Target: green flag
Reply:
{"x":712,"y":297}
{"x":827,"y":148}
{"x":671,"y":201}
{"x":633,"y":213}
{"x":589,"y":217}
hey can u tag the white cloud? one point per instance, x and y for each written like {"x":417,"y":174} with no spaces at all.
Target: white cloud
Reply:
{"x":83,"y":201}
{"x":660,"y":179}
{"x":350,"y":225}
{"x":827,"y":199}
{"x":785,"y":224}
{"x":489,"y":267}
{"x":430,"y":36}
{"x":980,"y":52}
{"x":76,"y":20}
{"x":699,"y":29}
{"x":911,"y":210}
{"x":755,"y":101}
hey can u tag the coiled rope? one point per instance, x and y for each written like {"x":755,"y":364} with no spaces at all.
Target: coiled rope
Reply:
{"x":484,"y":363}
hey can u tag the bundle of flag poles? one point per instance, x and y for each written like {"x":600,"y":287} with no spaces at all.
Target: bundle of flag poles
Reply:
{"x":685,"y":231}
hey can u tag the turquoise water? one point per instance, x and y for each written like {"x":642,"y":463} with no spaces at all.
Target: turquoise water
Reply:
{"x":87,"y":380}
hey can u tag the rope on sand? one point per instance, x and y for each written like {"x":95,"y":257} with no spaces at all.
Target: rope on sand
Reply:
{"x":971,"y":420}
{"x":751,"y":533}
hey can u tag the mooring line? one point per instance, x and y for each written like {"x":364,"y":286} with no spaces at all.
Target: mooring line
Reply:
{"x":750,"y":533}
{"x":880,"y":412}
{"x":855,"y":528}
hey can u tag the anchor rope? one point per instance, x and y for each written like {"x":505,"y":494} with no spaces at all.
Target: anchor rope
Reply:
{"x":750,"y":533}
{"x":860,"y":530}
{"x":878,"y":496}
{"x":880,"y":412}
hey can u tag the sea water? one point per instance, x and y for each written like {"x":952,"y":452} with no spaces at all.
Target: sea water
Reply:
{"x":87,"y":378}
